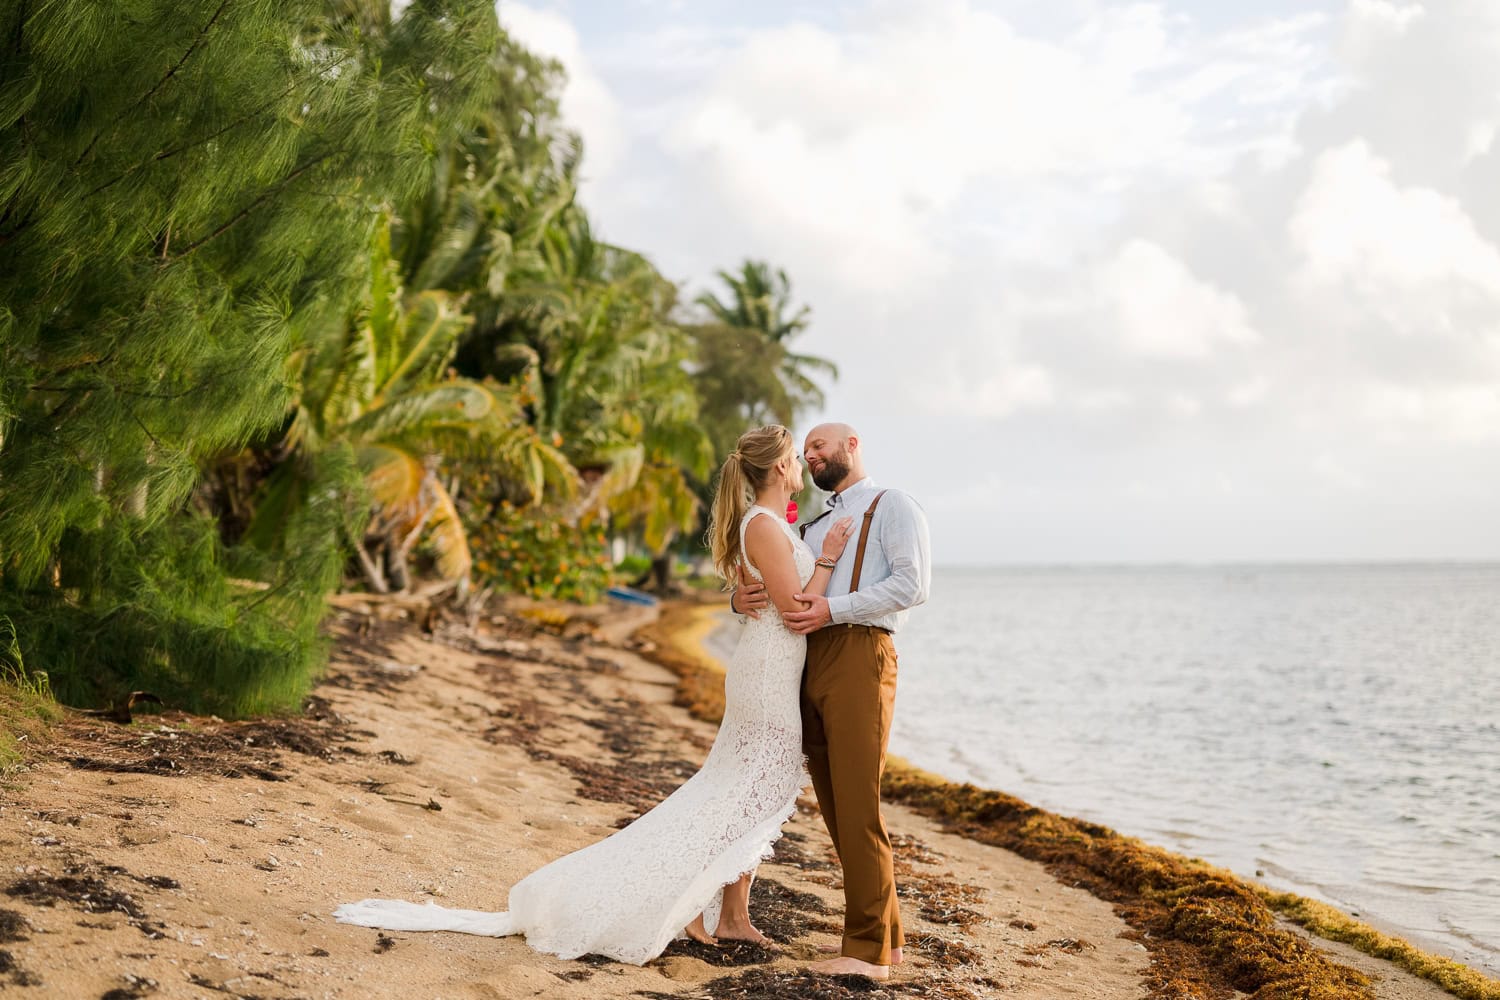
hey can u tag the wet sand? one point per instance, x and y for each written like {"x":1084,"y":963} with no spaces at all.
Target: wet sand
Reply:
{"x":187,"y":857}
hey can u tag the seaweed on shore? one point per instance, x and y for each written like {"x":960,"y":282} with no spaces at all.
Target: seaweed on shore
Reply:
{"x":625,"y":771}
{"x":724,"y":954}
{"x":786,"y":914}
{"x":13,"y":927}
{"x":88,"y":891}
{"x":135,"y":988}
{"x":177,"y":744}
{"x":197,"y":746}
{"x":945,"y":953}
{"x":18,"y":976}
{"x":769,"y":984}
{"x":791,"y":850}
{"x":1327,"y":922}
{"x":938,"y":898}
{"x":908,"y":850}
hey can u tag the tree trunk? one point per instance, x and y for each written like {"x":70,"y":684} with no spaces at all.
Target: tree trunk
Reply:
{"x":395,"y":563}
{"x":661,"y":572}
{"x":658,"y":576}
{"x":373,"y":576}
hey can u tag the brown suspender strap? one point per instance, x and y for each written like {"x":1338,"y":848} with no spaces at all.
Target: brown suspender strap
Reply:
{"x":864,"y":535}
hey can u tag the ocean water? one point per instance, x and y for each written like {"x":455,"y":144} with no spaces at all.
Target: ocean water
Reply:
{"x":1333,"y":730}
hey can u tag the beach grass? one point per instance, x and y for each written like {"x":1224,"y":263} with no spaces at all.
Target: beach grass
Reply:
{"x":1207,"y":929}
{"x":27,"y":708}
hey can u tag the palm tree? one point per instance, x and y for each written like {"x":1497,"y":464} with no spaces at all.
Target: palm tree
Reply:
{"x":760,"y":299}
{"x":381,"y":386}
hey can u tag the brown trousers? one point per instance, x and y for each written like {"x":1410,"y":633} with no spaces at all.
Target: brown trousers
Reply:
{"x":848,"y":695}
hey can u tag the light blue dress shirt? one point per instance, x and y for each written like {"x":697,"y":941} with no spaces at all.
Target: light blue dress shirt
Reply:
{"x":897,"y":571}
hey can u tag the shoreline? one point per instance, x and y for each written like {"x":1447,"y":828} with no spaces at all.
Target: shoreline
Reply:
{"x":703,"y":638}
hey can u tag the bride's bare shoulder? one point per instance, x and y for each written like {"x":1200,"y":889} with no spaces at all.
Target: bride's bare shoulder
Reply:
{"x":764,"y":535}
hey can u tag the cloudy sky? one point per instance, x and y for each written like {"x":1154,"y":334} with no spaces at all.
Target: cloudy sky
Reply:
{"x":1202,"y":280}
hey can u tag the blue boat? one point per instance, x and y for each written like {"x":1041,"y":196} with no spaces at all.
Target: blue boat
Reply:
{"x":630,"y":596}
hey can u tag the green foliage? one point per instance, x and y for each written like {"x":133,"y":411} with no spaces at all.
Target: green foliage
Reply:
{"x":759,"y":300}
{"x":13,"y":673}
{"x":533,"y":551}
{"x":381,"y":385}
{"x":204,"y":626}
{"x":187,"y":190}
{"x":27,"y":707}
{"x":632,"y":566}
{"x":585,"y":327}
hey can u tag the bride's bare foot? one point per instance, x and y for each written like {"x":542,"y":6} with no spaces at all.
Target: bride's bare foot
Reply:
{"x":736,"y":930}
{"x":698,"y":932}
{"x":846,"y":966}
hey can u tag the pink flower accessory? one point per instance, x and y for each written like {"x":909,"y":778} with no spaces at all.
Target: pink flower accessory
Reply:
{"x":791,"y":512}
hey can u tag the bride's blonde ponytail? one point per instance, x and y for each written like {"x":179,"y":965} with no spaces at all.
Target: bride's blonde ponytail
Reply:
{"x":746,"y":470}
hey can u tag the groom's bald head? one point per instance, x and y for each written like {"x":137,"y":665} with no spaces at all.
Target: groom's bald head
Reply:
{"x":834,"y":456}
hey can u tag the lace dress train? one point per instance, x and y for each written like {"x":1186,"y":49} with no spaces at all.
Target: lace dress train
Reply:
{"x":629,"y":895}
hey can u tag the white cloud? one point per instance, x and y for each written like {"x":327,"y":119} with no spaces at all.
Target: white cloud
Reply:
{"x":1161,"y":310}
{"x":1331,"y":472}
{"x":1355,"y":224}
{"x":1248,"y":393}
{"x":1182,"y":405}
{"x":866,"y":147}
{"x":1385,"y":15}
{"x":1000,"y":393}
{"x":1451,"y":414}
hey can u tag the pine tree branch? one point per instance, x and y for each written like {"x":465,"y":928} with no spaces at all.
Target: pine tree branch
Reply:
{"x":266,"y":595}
{"x":167,"y":154}
{"x":197,"y":41}
{"x":16,"y":37}
{"x":121,"y":390}
{"x":141,"y":424}
{"x":19,"y":227}
{"x":242,"y":213}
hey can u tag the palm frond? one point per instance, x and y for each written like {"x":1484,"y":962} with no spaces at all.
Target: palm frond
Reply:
{"x":425,"y":342}
{"x":460,"y":403}
{"x":445,"y":533}
{"x":394,"y":478}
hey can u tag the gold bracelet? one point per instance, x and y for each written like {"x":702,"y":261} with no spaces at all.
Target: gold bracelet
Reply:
{"x":825,"y":562}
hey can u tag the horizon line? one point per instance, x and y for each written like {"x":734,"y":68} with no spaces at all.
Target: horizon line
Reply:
{"x":1287,"y":562}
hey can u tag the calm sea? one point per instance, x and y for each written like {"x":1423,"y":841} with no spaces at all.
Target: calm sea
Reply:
{"x":1334,"y":730}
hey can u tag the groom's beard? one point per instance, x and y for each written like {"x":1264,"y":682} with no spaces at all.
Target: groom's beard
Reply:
{"x":832,"y":473}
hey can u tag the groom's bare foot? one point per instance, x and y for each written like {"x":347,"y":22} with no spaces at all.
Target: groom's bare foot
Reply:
{"x":832,"y":949}
{"x":846,"y":966}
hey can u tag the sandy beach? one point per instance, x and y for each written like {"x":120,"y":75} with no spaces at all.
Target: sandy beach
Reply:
{"x":188,"y":857}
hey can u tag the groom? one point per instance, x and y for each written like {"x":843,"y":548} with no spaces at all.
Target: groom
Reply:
{"x":849,"y":685}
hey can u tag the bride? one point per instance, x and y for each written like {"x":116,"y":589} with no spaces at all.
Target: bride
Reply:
{"x":687,"y":865}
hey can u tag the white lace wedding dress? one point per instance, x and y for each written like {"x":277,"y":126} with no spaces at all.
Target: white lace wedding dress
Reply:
{"x":629,"y":895}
